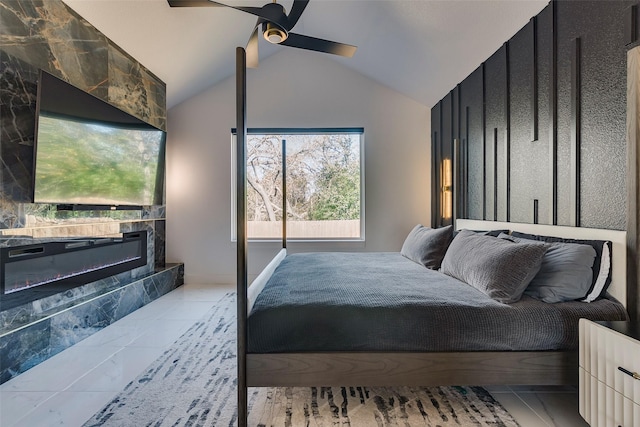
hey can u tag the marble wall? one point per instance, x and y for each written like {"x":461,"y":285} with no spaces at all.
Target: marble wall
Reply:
{"x":48,"y":35}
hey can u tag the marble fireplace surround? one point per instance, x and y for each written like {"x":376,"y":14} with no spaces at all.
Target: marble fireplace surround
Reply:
{"x":33,"y":332}
{"x":36,"y":335}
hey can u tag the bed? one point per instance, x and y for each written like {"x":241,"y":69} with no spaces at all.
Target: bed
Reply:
{"x":420,"y":349}
{"x":387,"y":365}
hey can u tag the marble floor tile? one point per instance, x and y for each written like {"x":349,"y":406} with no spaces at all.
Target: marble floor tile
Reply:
{"x":196,"y":292}
{"x":117,"y":335}
{"x":497,"y":389}
{"x":556,"y":409}
{"x":65,"y":409}
{"x":162,"y":333}
{"x":149,"y":311}
{"x":60,"y":371}
{"x":524,"y":415}
{"x":187,"y":310}
{"x":15,"y":405}
{"x":119,"y":370}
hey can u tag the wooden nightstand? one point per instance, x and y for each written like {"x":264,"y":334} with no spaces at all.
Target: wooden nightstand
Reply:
{"x":609,"y":390}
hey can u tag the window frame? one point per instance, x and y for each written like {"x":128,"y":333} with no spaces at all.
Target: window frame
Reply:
{"x":299,"y":131}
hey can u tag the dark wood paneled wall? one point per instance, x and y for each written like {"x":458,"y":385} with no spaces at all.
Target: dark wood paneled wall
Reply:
{"x":633,"y":167}
{"x":472,"y":138}
{"x":541,"y":123}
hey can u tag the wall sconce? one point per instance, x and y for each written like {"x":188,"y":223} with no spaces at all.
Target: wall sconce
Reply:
{"x":446,"y":192}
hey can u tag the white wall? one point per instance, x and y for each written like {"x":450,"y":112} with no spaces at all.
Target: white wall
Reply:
{"x":292,"y":88}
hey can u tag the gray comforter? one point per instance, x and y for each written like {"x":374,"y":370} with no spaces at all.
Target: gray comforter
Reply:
{"x":384,"y":302}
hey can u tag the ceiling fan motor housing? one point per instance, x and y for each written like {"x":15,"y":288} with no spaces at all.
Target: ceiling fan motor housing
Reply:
{"x":273,"y":34}
{"x":273,"y":30}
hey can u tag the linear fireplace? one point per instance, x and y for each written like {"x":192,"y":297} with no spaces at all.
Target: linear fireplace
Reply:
{"x":32,"y":272}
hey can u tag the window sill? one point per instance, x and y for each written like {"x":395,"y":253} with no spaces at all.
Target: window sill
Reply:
{"x":294,"y":241}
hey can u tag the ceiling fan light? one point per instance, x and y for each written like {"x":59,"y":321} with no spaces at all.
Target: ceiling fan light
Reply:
{"x":274,"y":34}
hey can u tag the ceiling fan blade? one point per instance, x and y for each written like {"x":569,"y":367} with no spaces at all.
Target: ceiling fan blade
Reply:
{"x":295,"y":12}
{"x":252,"y":47}
{"x":319,"y":45}
{"x":193,"y":3}
{"x":271,"y":12}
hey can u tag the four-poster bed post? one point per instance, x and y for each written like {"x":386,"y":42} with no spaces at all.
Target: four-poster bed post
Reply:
{"x":241,"y":229}
{"x":241,"y":232}
{"x":284,"y":194}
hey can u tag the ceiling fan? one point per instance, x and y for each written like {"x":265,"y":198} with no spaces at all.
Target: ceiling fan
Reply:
{"x":276,"y":26}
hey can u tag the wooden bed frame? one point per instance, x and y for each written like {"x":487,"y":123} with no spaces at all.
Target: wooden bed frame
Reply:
{"x":429,"y":368}
{"x":396,"y":368}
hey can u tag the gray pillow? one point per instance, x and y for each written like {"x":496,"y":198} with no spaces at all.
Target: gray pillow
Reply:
{"x":427,"y":246}
{"x":500,"y":268}
{"x":601,"y":265}
{"x":566,"y":272}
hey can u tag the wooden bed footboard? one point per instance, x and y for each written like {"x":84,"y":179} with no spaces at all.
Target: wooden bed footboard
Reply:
{"x":412,"y":369}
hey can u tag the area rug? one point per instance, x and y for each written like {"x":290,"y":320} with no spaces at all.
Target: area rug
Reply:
{"x":194,"y":384}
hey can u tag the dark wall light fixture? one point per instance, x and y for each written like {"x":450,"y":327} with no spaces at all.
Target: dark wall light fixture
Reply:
{"x":446,"y":190}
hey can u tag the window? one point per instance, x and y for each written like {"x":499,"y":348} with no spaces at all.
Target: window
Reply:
{"x":324,"y":177}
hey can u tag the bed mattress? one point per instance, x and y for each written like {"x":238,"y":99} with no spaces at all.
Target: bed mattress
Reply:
{"x":316,"y":302}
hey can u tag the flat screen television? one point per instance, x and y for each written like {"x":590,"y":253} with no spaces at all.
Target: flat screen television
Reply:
{"x":90,"y":153}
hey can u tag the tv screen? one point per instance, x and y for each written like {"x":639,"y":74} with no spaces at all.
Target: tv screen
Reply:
{"x":89,"y":152}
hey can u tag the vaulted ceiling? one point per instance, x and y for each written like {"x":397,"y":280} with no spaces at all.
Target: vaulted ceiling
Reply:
{"x":421,"y":48}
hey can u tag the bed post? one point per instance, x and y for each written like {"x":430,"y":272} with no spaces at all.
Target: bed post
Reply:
{"x":241,"y":230}
{"x":284,"y":193}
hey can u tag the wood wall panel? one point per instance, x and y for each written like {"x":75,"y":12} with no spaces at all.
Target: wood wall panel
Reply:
{"x":473,"y":134}
{"x":495,"y":104}
{"x":575,"y":172}
{"x":446,"y":142}
{"x":602,"y":113}
{"x":633,"y":190}
{"x":567,"y":30}
{"x":526,"y":161}
{"x":632,"y":25}
{"x":577,"y":160}
{"x":435,"y":156}
{"x":553,"y":115}
{"x":542,"y":147}
{"x":576,"y":127}
{"x":603,"y":136}
{"x":456,"y":156}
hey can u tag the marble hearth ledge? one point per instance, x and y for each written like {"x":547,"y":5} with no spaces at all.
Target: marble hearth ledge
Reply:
{"x":23,"y":346}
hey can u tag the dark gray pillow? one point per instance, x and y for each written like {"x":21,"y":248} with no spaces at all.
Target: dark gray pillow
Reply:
{"x":601,"y":265}
{"x":500,"y":268}
{"x":494,"y":233}
{"x":565,"y":273}
{"x":427,"y":246}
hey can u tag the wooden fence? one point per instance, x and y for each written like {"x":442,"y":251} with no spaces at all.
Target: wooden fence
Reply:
{"x":338,"y":229}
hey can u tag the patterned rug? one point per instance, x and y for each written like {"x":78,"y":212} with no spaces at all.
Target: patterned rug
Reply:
{"x":194,"y":384}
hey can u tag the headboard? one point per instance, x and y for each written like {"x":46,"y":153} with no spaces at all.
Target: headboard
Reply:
{"x":618,"y":287}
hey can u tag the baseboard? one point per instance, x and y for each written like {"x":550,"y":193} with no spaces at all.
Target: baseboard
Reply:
{"x":213,"y":279}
